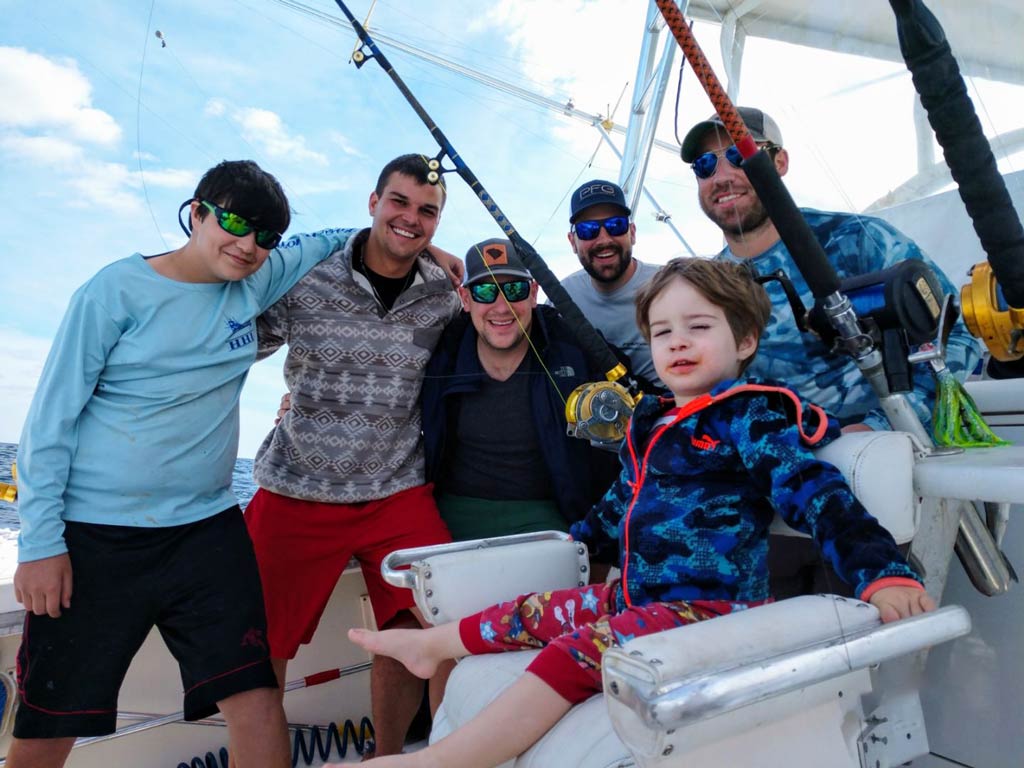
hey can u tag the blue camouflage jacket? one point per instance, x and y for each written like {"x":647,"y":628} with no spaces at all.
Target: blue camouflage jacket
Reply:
{"x":691,"y":508}
{"x":856,"y":245}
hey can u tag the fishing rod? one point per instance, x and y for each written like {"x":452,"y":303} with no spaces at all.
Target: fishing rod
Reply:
{"x":597,"y":411}
{"x":993,"y":302}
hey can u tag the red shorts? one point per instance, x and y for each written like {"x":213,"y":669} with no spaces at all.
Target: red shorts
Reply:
{"x":302,"y":547}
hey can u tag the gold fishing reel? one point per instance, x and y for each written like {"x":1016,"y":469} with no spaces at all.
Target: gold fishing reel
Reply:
{"x":9,"y":491}
{"x":989,"y":317}
{"x":599,"y":411}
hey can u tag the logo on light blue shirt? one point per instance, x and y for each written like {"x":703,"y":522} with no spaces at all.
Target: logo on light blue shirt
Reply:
{"x":241,"y":334}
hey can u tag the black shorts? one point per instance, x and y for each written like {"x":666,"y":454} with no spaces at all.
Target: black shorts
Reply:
{"x":197,"y":583}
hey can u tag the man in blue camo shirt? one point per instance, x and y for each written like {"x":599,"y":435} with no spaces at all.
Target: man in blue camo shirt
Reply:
{"x":855,"y":245}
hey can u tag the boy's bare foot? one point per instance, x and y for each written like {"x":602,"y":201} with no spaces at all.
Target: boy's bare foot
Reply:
{"x":404,"y":645}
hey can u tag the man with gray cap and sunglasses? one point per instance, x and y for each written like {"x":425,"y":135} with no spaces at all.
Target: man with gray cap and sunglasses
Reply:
{"x":855,"y":245}
{"x":493,"y":408}
{"x":602,"y":237}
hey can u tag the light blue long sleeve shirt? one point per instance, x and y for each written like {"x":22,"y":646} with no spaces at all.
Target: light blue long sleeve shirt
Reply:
{"x":135,"y":418}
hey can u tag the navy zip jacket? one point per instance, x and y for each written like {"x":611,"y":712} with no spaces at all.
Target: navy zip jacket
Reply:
{"x":691,"y":508}
{"x":580,"y":474}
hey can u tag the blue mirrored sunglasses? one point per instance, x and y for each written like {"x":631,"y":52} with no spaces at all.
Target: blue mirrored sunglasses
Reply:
{"x":705,"y":165}
{"x":487,"y":293}
{"x":613,"y":225}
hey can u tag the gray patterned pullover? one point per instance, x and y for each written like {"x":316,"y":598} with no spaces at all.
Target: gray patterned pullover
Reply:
{"x":354,"y":371}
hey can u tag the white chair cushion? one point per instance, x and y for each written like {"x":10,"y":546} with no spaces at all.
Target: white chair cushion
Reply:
{"x":584,"y":737}
{"x":470,"y":580}
{"x":879,"y":467}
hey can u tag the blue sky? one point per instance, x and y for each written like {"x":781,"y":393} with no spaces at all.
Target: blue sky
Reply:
{"x":105,"y":132}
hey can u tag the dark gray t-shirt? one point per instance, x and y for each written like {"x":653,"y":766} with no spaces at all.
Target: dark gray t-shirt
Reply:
{"x":496,"y":453}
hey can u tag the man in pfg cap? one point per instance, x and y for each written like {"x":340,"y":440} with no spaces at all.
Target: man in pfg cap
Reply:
{"x":602,"y":235}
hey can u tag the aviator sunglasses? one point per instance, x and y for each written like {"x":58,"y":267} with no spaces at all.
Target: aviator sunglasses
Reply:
{"x":613,"y":225}
{"x":487,"y":293}
{"x":235,"y":225}
{"x":705,"y":165}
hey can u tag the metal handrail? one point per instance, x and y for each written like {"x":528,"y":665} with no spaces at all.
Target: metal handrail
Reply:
{"x":714,"y":692}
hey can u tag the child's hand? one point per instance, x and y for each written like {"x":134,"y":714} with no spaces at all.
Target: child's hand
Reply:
{"x":894,"y":603}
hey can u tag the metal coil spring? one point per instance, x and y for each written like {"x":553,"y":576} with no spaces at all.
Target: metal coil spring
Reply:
{"x":318,"y":747}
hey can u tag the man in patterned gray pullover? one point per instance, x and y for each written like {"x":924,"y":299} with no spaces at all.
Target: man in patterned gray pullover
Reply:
{"x":856,"y":245}
{"x":342,"y":473}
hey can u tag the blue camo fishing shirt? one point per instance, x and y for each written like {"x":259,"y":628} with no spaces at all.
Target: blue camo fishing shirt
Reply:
{"x":856,"y":245}
{"x":691,"y":508}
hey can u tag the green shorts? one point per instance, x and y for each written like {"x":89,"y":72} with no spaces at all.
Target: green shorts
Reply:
{"x":470,"y":518}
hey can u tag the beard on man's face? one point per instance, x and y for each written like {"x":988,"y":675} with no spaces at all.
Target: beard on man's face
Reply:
{"x":604,"y":270}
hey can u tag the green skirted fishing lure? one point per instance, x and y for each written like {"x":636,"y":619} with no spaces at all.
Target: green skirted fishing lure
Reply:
{"x":955,"y":419}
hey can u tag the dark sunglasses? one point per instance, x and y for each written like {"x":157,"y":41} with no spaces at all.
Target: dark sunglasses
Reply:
{"x":487,"y":293}
{"x":235,"y":225}
{"x":705,"y":165}
{"x":613,"y":225}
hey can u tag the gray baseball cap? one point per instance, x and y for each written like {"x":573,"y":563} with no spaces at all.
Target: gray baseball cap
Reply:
{"x":492,"y":258}
{"x":760,"y":125}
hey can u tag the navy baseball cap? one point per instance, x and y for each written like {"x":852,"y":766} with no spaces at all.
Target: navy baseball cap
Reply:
{"x":597,"y":192}
{"x":494,"y":257}
{"x":761,"y":126}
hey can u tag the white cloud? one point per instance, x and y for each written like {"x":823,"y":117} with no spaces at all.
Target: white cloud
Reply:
{"x":95,"y":182}
{"x":43,"y":94}
{"x":342,"y":142}
{"x":47,"y":150}
{"x":54,"y":125}
{"x":215,"y":108}
{"x":266,"y":131}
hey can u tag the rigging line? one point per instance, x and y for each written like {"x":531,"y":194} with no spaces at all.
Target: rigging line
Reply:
{"x":329,"y":20}
{"x":293,"y":195}
{"x":572,"y":185}
{"x":138,"y":127}
{"x":588,"y":164}
{"x":997,"y":137}
{"x":79,"y":55}
{"x":562,"y":107}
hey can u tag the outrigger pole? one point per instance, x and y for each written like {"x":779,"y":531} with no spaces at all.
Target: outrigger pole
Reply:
{"x":590,"y":340}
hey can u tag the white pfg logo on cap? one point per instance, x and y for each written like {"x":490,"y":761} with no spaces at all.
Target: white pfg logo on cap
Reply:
{"x":596,"y":189}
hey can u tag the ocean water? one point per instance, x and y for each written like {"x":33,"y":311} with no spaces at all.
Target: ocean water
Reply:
{"x":241,"y":482}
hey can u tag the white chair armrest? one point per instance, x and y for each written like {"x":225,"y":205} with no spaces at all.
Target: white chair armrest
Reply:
{"x":451,"y":581}
{"x":978,"y":474}
{"x":879,"y":467}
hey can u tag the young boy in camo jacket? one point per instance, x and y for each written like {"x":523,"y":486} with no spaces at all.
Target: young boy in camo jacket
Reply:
{"x":703,"y":474}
